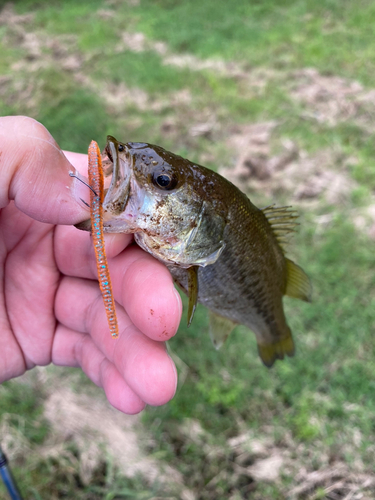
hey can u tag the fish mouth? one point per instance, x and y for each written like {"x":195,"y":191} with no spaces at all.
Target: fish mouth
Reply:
{"x":117,"y":195}
{"x":112,"y":147}
{"x":117,"y":160}
{"x":107,"y":149}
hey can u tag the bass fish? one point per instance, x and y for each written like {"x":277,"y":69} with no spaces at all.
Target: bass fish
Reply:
{"x":221,"y":250}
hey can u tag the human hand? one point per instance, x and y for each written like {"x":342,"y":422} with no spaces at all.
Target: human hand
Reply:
{"x":51,"y":309}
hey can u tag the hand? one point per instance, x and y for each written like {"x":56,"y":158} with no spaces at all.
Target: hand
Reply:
{"x":51,"y":309}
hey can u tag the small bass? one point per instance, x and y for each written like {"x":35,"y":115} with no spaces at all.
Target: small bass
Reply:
{"x":221,"y":250}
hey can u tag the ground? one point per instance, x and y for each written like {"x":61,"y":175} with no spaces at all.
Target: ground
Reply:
{"x":279,"y":98}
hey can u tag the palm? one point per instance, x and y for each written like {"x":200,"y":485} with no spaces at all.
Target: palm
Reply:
{"x":51,"y":308}
{"x":29,"y":282}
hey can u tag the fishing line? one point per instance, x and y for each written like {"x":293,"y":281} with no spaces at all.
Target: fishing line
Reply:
{"x":7,"y":477}
{"x":83,"y":182}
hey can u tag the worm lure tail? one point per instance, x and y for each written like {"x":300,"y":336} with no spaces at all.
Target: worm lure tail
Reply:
{"x":96,"y":198}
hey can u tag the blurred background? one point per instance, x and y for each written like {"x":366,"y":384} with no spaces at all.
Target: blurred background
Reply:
{"x":279,"y":97}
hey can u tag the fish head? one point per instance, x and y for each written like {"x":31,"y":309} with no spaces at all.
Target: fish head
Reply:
{"x":165,"y":201}
{"x":143,"y":187}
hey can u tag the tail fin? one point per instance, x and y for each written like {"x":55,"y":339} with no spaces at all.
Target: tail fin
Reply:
{"x":269,"y":353}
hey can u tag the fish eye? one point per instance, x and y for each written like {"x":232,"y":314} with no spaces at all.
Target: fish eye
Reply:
{"x":121,"y":148}
{"x":164,"y":180}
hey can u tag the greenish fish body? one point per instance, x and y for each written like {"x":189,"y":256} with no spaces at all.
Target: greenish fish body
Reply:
{"x":223,"y":251}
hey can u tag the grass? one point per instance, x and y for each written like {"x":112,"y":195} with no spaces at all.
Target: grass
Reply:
{"x":316,"y":409}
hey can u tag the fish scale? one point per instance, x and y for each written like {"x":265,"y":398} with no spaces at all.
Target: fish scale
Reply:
{"x":240,"y":288}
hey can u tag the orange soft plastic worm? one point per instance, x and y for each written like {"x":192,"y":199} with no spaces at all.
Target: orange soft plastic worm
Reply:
{"x":96,"y":197}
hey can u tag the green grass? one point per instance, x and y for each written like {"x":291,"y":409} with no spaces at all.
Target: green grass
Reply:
{"x":331,"y":333}
{"x":316,"y":404}
{"x":334,"y":36}
{"x":86,"y":116}
{"x":24,"y":410}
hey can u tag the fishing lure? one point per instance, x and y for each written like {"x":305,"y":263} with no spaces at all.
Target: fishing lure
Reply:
{"x":96,"y":207}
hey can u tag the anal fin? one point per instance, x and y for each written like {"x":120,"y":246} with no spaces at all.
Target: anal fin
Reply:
{"x":298,"y":284}
{"x":220,"y":328}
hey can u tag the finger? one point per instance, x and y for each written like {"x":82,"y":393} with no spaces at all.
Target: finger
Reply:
{"x":74,"y":250}
{"x":143,"y":363}
{"x":118,"y":393}
{"x":30,"y":280}
{"x":35,"y":173}
{"x":78,"y":160}
{"x":71,"y":348}
{"x":140,"y":283}
{"x":148,"y":293}
{"x":12,"y":361}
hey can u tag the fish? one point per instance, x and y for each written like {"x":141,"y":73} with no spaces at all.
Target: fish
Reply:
{"x":221,"y":250}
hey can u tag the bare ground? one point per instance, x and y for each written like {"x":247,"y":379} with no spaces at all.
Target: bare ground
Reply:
{"x":89,"y":424}
{"x":292,"y":171}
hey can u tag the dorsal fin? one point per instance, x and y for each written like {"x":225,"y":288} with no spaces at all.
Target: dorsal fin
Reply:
{"x":282,"y":221}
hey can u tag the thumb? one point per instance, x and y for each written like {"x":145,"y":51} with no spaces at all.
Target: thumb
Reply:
{"x":35,"y":173}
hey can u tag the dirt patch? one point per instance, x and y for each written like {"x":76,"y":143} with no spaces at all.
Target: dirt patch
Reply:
{"x":364,"y":220}
{"x":252,"y":144}
{"x":96,"y":428}
{"x":251,"y":80}
{"x":259,"y":459}
{"x":337,"y":482}
{"x":137,"y":42}
{"x":9,"y":17}
{"x":34,"y":44}
{"x":185,"y":124}
{"x":254,"y":79}
{"x":263,"y":461}
{"x":42,"y":51}
{"x":332,"y":99}
{"x":13,"y":442}
{"x":301,"y":176}
{"x":55,"y":59}
{"x":327,"y":99}
{"x":25,"y":86}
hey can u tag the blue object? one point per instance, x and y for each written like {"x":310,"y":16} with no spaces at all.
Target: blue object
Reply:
{"x":8,"y":479}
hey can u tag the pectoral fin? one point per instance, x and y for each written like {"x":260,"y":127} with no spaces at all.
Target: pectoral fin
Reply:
{"x":203,"y":251}
{"x":192,"y":292}
{"x":220,"y":329}
{"x":269,"y":353}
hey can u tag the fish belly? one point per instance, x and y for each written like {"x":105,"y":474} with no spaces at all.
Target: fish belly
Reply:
{"x":241,"y":295}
